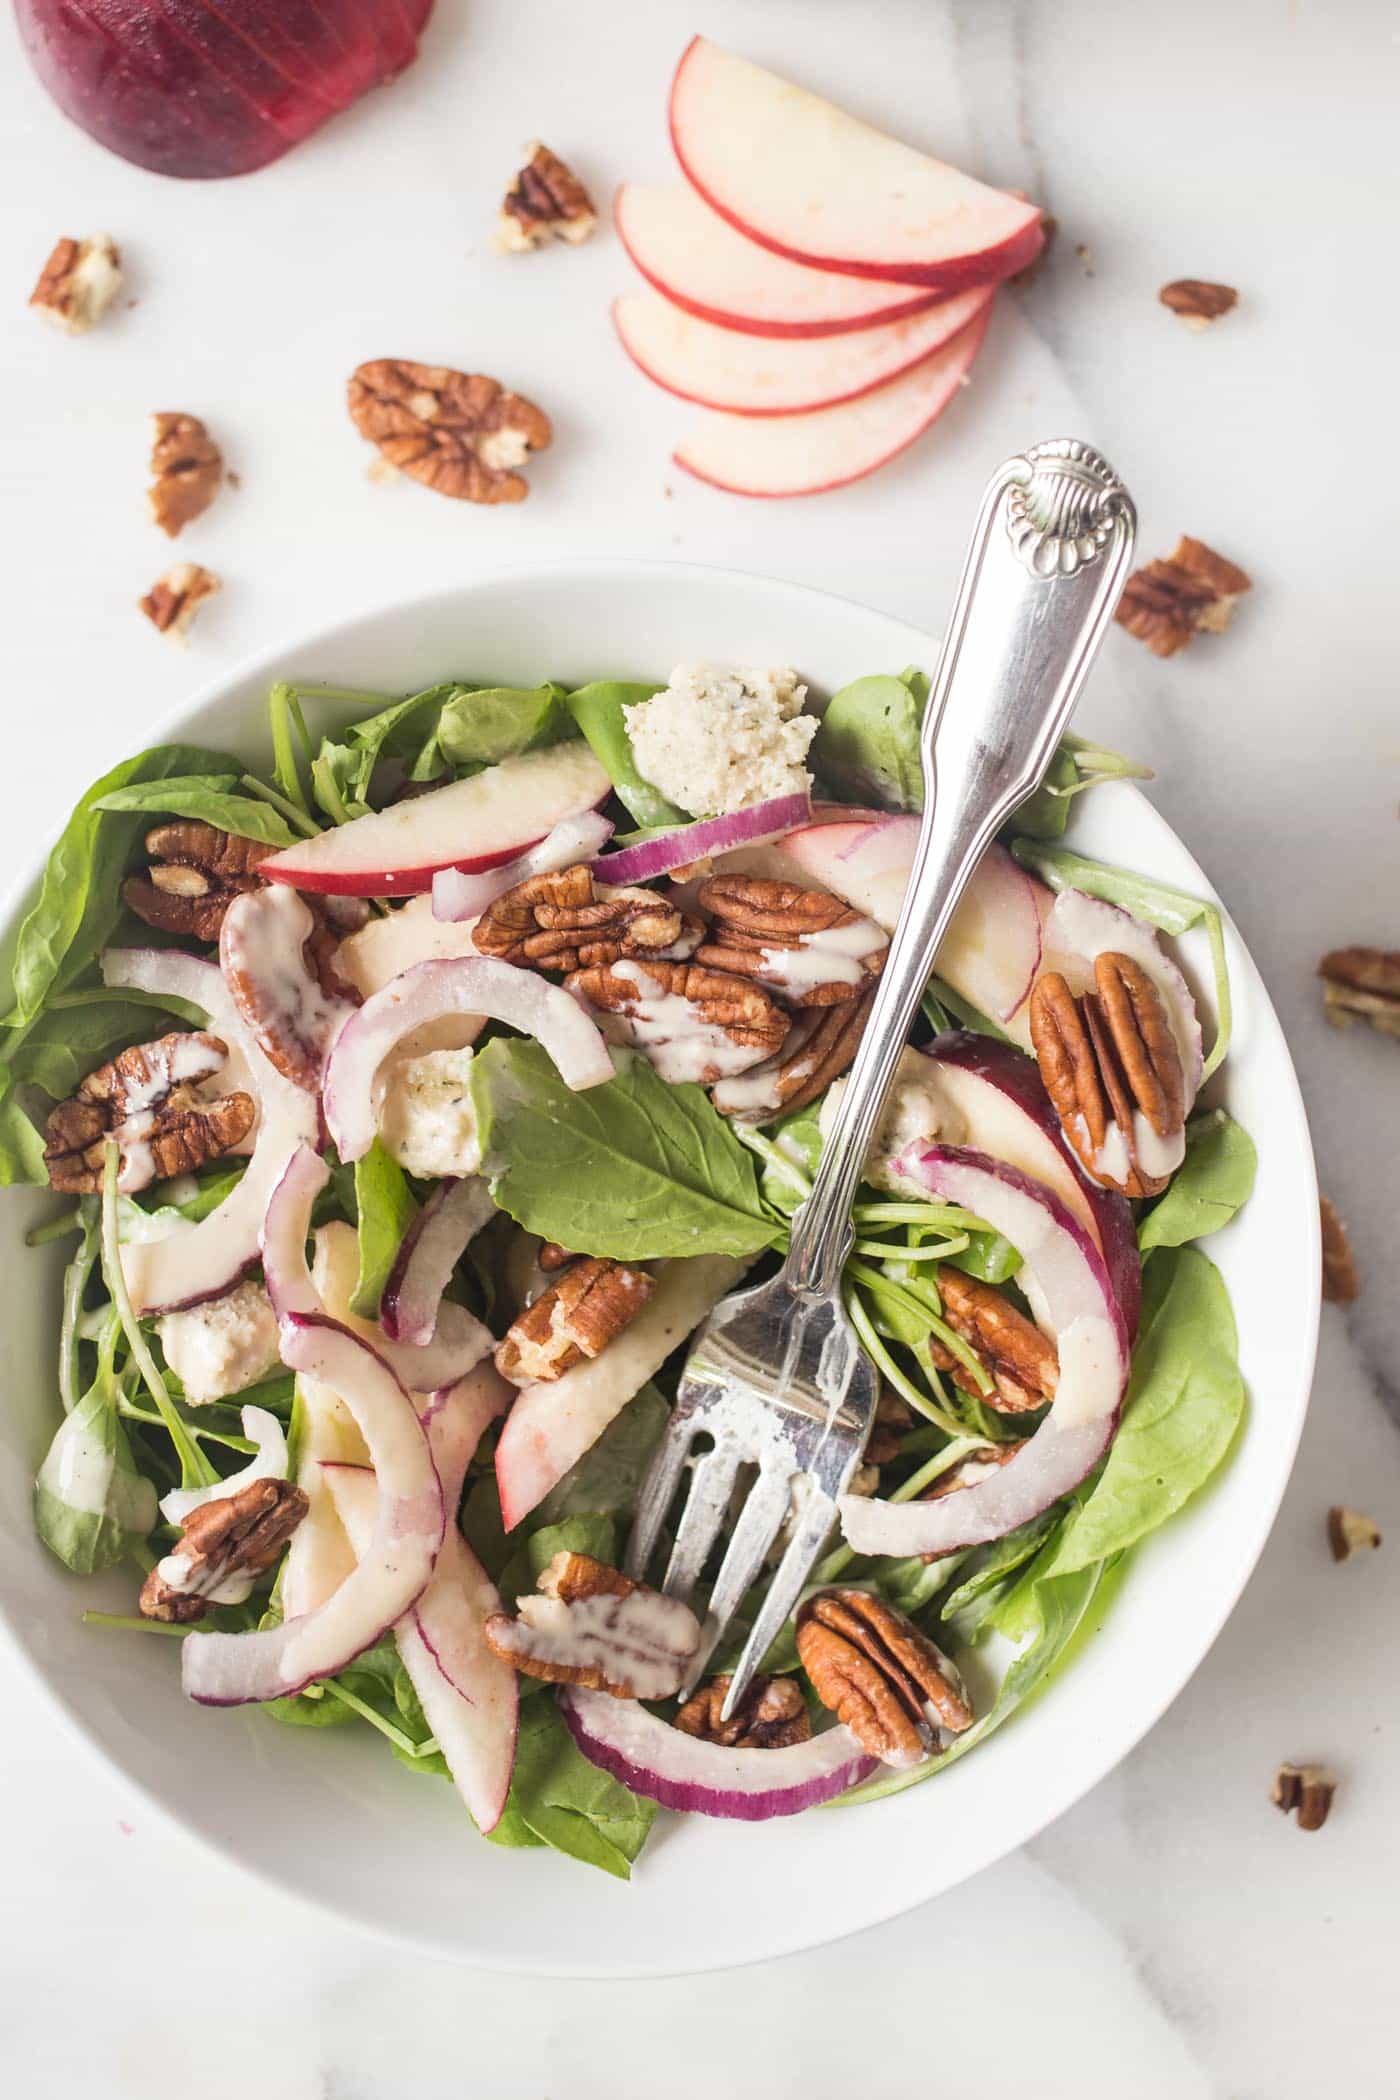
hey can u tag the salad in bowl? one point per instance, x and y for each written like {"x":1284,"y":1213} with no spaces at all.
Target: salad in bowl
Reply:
{"x":412,"y":1101}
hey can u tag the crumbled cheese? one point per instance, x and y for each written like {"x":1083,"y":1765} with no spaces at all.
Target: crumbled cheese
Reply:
{"x":427,"y":1121}
{"x":219,"y":1348}
{"x":912,"y":1113}
{"x":718,"y":740}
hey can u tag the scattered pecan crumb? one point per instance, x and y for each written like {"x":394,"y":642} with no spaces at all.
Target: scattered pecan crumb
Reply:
{"x":1362,"y":984}
{"x":459,"y":433}
{"x":1196,"y":302}
{"x":78,"y":283}
{"x":1168,"y":602}
{"x":1308,"y":1789}
{"x":771,"y":1714}
{"x":1086,"y":256}
{"x":186,"y":469}
{"x":1348,"y":1532}
{"x":1340,"y":1281}
{"x":1049,"y":227}
{"x":545,"y":202}
{"x":174,"y":598}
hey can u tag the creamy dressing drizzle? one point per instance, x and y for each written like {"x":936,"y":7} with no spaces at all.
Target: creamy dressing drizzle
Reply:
{"x":179,"y":1571}
{"x":264,"y":940}
{"x":680,"y":1043}
{"x":185,"y":1063}
{"x":832,"y":956}
{"x":643,"y":1639}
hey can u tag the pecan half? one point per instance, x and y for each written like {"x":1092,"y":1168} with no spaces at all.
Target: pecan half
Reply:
{"x":195,"y":873}
{"x":1306,"y":1790}
{"x":78,"y":283}
{"x":786,"y":937}
{"x":817,"y":1049}
{"x":592,"y":1626}
{"x":457,"y":432}
{"x":174,"y":598}
{"x":234,"y":1535}
{"x":1196,"y":301}
{"x":1166,"y":603}
{"x":873,"y":1668}
{"x":561,"y":921}
{"x":277,"y":961}
{"x":145,"y":1100}
{"x":576,"y":1317}
{"x":1107,"y":1058}
{"x":1348,"y":1532}
{"x":1341,"y":1281}
{"x":545,"y":202}
{"x":693,"y":1023}
{"x":1362,"y":984}
{"x":771,"y":1714}
{"x":186,"y":470}
{"x":1020,"y":1361}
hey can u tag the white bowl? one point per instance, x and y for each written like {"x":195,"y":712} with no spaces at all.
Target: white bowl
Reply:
{"x":328,"y":1814}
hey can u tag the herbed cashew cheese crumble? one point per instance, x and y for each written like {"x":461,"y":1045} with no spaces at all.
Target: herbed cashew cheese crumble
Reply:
{"x":427,"y":1121}
{"x":911,"y":1114}
{"x":717,"y":740}
{"x":224,"y":1346}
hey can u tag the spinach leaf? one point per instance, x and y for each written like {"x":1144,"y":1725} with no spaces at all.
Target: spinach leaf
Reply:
{"x":1184,"y":1403}
{"x":987,"y":1572}
{"x":78,"y":1030}
{"x":205,"y":798}
{"x":1077,"y":765}
{"x":384,"y":1210}
{"x":91,"y":1506}
{"x":608,"y":1478}
{"x":1213,"y":1181}
{"x":594,"y":1535}
{"x":558,"y":1798}
{"x":343,"y":771}
{"x":867,"y":747}
{"x":497,"y":721}
{"x":637,"y":1169}
{"x":598,"y":710}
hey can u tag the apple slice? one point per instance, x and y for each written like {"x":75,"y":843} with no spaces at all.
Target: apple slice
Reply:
{"x":750,"y":377}
{"x":800,"y":455}
{"x":696,"y":259}
{"x":802,"y":177}
{"x":471,"y":824}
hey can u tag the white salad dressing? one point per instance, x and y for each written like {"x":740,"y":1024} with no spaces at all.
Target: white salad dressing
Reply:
{"x":185,"y":1062}
{"x":178,"y":1570}
{"x":834,"y":955}
{"x":643,"y":1639}
{"x":262,"y":948}
{"x":680,"y":1043}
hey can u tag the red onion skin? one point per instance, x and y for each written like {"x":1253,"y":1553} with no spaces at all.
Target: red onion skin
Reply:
{"x":690,"y":1798}
{"x":207,"y":88}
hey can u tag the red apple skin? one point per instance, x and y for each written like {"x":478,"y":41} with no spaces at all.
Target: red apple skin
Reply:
{"x":391,"y":882}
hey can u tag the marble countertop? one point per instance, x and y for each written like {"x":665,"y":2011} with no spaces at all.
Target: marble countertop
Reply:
{"x":1172,"y":1936}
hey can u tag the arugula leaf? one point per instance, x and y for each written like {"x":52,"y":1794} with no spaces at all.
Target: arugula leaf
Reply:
{"x":867,"y":746}
{"x":558,"y":1798}
{"x":1184,"y":1403}
{"x":1213,"y":1181}
{"x":206,"y":798}
{"x":384,"y":1210}
{"x":637,"y":1169}
{"x":497,"y":721}
{"x":1078,"y":764}
{"x":598,"y":710}
{"x":91,"y":1506}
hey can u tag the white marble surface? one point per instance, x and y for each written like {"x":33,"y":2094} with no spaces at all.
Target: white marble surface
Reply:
{"x":1172,"y":1936}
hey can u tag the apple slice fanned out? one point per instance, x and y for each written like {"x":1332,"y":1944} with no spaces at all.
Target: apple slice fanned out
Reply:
{"x":474,"y":823}
{"x":802,"y":177}
{"x":748,"y":376}
{"x":699,"y":262}
{"x":799,"y":455}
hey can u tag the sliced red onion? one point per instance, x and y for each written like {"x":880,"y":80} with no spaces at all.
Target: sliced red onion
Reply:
{"x":229,"y":1669}
{"x":1064,"y":1278}
{"x":269,"y":1462}
{"x":1080,"y":928}
{"x":685,"y":1772}
{"x":474,"y":984}
{"x":208,"y":1259}
{"x":742,"y":827}
{"x":460,"y":1342}
{"x":460,"y":895}
{"x":430,"y":1251}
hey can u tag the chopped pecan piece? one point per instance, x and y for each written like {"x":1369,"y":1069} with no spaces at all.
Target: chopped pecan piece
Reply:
{"x":1168,"y":602}
{"x":1108,"y":1058}
{"x":1197,"y":302}
{"x":174,"y":598}
{"x":1341,"y":1283}
{"x":237,"y":1535}
{"x":771,"y":1714}
{"x":1349,"y":1532}
{"x":1020,"y":1361}
{"x":893,"y":1417}
{"x":277,"y":961}
{"x":1308,"y":1789}
{"x":561,"y":921}
{"x":786,"y":938}
{"x":186,"y":469}
{"x":595,"y":1627}
{"x":1362,"y":984}
{"x":693,"y":1023}
{"x":545,"y":202}
{"x":876,"y":1672}
{"x":195,"y":873}
{"x":817,"y":1049}
{"x":145,"y":1100}
{"x":457,"y":432}
{"x":576,"y":1317}
{"x":78,"y":283}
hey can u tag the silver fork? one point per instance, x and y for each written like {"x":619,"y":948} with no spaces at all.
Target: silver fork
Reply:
{"x":776,"y":1377}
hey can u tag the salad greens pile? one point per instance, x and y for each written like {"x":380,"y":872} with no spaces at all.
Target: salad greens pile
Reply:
{"x":637,"y":1170}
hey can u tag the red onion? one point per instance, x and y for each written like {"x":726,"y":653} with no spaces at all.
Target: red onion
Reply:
{"x":459,"y":895}
{"x":685,"y":1772}
{"x":1064,"y":1278}
{"x":710,"y":835}
{"x":190,"y":88}
{"x":430,"y":1251}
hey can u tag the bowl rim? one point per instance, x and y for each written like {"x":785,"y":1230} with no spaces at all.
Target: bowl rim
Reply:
{"x":1022,"y":1824}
